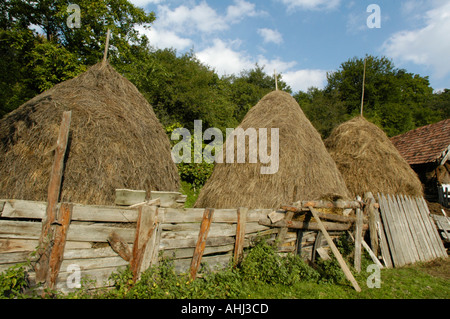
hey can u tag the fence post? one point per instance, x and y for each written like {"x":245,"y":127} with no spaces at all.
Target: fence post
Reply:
{"x":54,"y":189}
{"x":240,"y":235}
{"x":59,"y":244}
{"x":145,"y":229}
{"x":201,"y":242}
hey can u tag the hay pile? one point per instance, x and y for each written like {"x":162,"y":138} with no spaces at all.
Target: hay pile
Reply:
{"x":369,"y":162}
{"x":115,"y":141}
{"x":306,"y":170}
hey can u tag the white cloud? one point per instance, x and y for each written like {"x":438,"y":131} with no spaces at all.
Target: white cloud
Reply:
{"x":304,"y":79}
{"x":221,"y":57}
{"x":241,"y":9}
{"x":311,"y":4}
{"x":270,"y":35}
{"x":165,"y":38}
{"x":144,"y":3}
{"x":427,"y":46}
{"x":187,"y":20}
{"x":227,"y":60}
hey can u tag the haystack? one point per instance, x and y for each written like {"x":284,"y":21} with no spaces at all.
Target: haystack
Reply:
{"x":369,"y":162}
{"x":115,"y":141}
{"x":306,"y":170}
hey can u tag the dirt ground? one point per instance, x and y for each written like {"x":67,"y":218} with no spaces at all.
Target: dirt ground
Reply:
{"x":438,"y":268}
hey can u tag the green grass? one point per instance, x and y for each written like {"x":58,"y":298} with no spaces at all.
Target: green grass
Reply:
{"x":263,"y":274}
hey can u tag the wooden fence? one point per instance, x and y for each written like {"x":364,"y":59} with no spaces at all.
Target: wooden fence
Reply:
{"x":410,"y":231}
{"x":97,"y":240}
{"x":101,"y":240}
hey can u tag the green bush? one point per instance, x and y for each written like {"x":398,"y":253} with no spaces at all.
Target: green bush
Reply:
{"x":193,"y":173}
{"x":13,"y":281}
{"x":264,"y":264}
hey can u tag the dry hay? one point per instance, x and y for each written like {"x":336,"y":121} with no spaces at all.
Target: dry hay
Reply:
{"x":369,"y":161}
{"x":115,"y":141}
{"x":306,"y":170}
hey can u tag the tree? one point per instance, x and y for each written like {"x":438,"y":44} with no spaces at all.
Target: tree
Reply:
{"x":394,"y":98}
{"x":325,"y":111}
{"x":249,"y":87}
{"x":35,"y":61}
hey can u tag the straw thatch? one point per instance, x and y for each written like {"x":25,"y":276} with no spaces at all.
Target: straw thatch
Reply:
{"x":306,"y":170}
{"x":115,"y":141}
{"x":369,"y":161}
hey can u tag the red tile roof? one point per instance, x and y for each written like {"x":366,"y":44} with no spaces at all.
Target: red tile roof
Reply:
{"x":425,"y":144}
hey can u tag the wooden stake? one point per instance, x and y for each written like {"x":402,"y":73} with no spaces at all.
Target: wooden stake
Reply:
{"x":201,"y":242}
{"x":54,"y":189}
{"x":105,"y":54}
{"x":336,"y":252}
{"x":276,"y":79}
{"x":240,"y":235}
{"x":59,"y":244}
{"x":363,"y":88}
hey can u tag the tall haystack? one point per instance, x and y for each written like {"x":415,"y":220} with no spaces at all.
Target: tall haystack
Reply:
{"x":115,"y":141}
{"x":369,"y":162}
{"x":306,"y":170}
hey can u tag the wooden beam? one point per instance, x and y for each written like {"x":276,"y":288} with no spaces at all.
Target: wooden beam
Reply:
{"x":201,"y":242}
{"x":302,"y":206}
{"x":54,"y":189}
{"x":59,"y":244}
{"x":336,"y":253}
{"x":305,"y":225}
{"x":240,"y":235}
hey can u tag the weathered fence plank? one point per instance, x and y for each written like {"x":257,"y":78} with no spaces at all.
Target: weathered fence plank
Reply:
{"x":358,"y":239}
{"x":201,"y":242}
{"x":240,"y":235}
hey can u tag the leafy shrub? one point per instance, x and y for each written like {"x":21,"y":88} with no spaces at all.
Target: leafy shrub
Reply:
{"x":264,"y":264}
{"x":193,"y":173}
{"x":13,"y":281}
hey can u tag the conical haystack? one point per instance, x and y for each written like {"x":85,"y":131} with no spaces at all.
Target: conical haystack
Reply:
{"x":115,"y":141}
{"x":306,"y":170}
{"x":369,"y":161}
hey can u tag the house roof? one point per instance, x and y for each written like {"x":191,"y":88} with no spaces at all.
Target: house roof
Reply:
{"x":426,"y":144}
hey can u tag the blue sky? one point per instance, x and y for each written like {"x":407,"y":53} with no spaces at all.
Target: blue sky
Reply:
{"x":305,"y":39}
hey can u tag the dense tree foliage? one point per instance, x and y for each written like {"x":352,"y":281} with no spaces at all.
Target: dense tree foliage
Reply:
{"x":181,"y":88}
{"x":394,"y":99}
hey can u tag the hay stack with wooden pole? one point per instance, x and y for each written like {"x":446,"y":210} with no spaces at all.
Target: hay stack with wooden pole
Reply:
{"x":369,"y":162}
{"x":306,"y":171}
{"x":116,"y":141}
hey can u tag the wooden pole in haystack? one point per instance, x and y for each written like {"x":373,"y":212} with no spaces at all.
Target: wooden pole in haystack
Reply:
{"x":105,"y":54}
{"x":276,"y":79}
{"x":363,"y":88}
